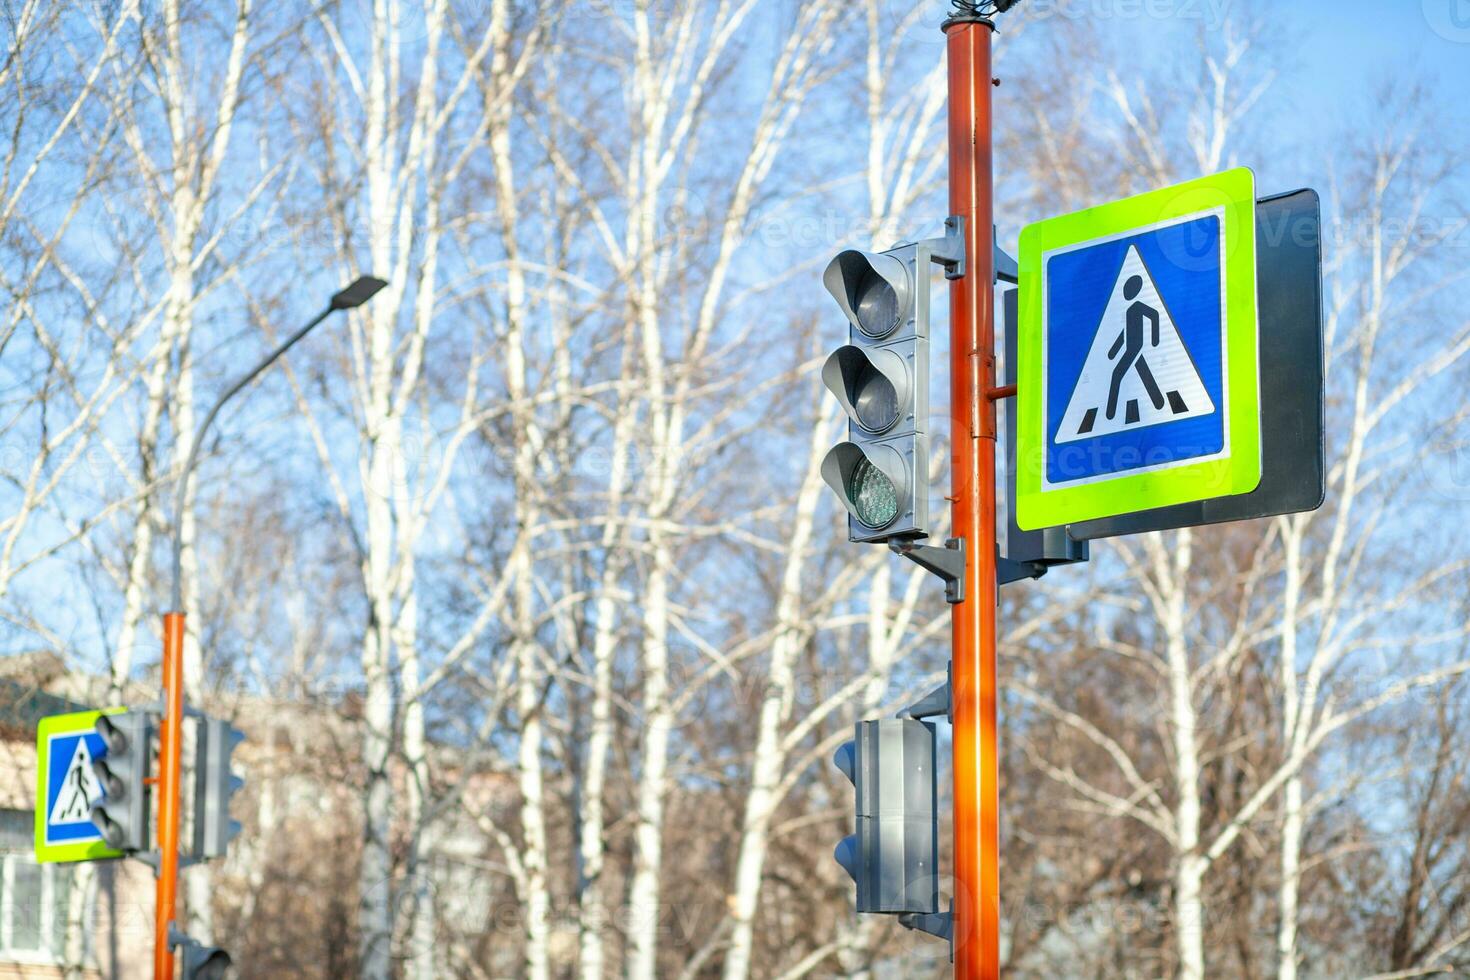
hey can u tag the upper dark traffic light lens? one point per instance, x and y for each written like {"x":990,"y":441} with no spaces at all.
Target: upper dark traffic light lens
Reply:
{"x":876,"y":400}
{"x":873,"y":495}
{"x":112,"y":736}
{"x":877,"y":305}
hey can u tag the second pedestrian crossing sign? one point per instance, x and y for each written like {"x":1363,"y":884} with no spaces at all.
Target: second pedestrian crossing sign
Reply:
{"x":1137,"y":355}
{"x":67,"y":786}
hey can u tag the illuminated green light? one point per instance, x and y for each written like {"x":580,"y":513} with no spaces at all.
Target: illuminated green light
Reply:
{"x":873,"y":495}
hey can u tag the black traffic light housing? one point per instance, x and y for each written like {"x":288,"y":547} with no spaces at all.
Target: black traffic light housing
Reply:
{"x":122,"y":814}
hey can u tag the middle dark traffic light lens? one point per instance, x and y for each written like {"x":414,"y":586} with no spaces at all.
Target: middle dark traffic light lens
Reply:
{"x":113,"y":788}
{"x":876,"y":400}
{"x":874,"y":496}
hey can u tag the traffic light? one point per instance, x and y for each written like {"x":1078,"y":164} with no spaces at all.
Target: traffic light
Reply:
{"x":200,"y":962}
{"x":880,"y":472}
{"x":122,"y":770}
{"x":214,"y":786}
{"x":894,"y":855}
{"x":881,"y":378}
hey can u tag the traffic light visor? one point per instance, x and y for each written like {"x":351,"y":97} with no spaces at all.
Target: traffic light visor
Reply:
{"x":215,"y":966}
{"x":870,"y":482}
{"x":872,"y":385}
{"x":845,"y":759}
{"x":873,"y":289}
{"x":112,"y":736}
{"x":846,"y":853}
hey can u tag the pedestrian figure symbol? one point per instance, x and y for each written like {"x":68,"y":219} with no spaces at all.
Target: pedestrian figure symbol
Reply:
{"x":1130,"y":341}
{"x":1138,"y":371}
{"x":78,"y":789}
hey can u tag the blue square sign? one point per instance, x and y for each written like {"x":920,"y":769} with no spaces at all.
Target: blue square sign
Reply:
{"x":1135,"y":352}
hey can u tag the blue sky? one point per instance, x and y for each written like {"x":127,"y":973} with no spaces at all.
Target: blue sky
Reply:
{"x":1348,"y":45}
{"x":1334,"y":57}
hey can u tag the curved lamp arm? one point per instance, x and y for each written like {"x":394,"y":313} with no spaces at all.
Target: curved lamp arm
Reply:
{"x":354,"y":295}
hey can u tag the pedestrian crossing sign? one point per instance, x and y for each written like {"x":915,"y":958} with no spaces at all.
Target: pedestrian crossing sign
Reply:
{"x":1137,"y":354}
{"x":66,"y":786}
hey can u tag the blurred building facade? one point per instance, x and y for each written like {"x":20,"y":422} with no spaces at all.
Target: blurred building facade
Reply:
{"x":284,"y":901}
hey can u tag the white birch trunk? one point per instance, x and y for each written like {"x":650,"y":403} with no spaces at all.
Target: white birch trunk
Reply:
{"x":643,"y":895}
{"x":535,"y":895}
{"x":382,"y":430}
{"x":1292,"y":816}
{"x":593,"y":906}
{"x":644,"y":910}
{"x":769,"y":760}
{"x":1291,"y":848}
{"x":422,"y":939}
{"x":1190,"y":864}
{"x":198,"y":881}
{"x":375,"y":913}
{"x":531,"y":680}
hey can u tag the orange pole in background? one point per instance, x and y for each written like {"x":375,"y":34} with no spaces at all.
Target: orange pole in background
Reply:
{"x":972,"y":434}
{"x":170,"y":744}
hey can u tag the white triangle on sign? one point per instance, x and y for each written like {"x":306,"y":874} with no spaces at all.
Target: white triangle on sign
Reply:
{"x":78,"y":790}
{"x":1137,"y":372}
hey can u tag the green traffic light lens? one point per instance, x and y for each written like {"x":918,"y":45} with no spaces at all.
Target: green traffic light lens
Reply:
{"x":874,"y":496}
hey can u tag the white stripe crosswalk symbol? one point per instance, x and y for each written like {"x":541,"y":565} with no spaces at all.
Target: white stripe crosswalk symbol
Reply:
{"x":1138,"y":371}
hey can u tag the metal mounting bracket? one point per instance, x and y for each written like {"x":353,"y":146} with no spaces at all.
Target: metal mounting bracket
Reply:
{"x":947,"y":562}
{"x":935,"y":703}
{"x":938,"y":924}
{"x":949,"y":250}
{"x":1008,"y":570}
{"x":1006,"y":269}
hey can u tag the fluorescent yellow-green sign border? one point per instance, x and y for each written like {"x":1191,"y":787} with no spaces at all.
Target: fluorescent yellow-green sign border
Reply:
{"x":59,"y":725}
{"x":1239,"y":471}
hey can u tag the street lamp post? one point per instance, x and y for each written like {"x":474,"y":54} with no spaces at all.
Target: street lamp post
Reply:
{"x":170,"y":746}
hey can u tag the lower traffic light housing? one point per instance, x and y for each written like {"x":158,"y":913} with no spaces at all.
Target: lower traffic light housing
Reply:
{"x":206,"y":963}
{"x":893,"y":856}
{"x":198,"y":961}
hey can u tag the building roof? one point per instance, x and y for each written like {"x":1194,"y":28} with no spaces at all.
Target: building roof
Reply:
{"x":22,"y":706}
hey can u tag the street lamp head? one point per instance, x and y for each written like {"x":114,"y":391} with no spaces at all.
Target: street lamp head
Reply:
{"x":357,"y":292}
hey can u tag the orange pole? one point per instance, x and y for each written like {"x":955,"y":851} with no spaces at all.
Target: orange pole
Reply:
{"x":972,"y":434}
{"x":170,"y":744}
